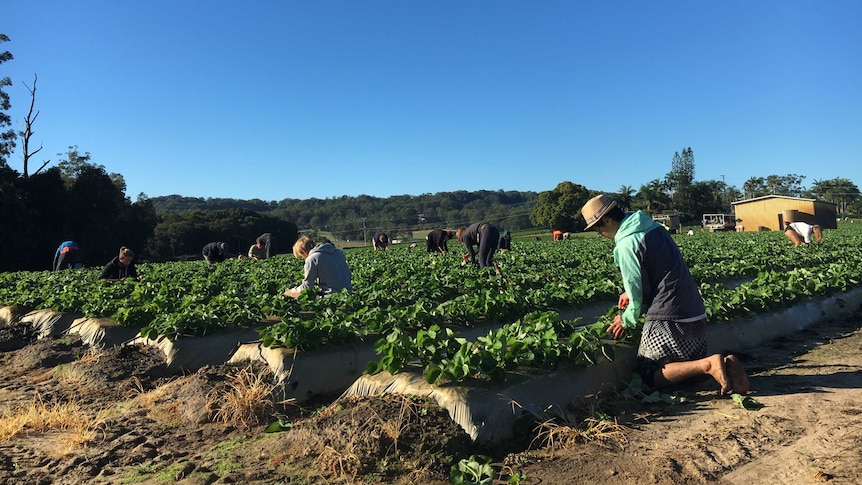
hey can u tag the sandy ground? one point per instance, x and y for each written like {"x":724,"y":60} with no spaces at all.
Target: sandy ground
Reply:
{"x":122,"y":418}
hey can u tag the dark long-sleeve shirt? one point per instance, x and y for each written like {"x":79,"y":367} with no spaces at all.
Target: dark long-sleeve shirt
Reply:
{"x":115,"y":271}
{"x":437,"y":241}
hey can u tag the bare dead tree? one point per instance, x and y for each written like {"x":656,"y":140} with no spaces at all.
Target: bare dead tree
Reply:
{"x":28,"y":132}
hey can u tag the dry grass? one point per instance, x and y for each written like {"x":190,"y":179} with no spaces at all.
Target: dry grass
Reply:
{"x":76,"y":426}
{"x":394,"y":427}
{"x":146,"y":399}
{"x":581,"y":424}
{"x":71,"y":374}
{"x":174,"y":402}
{"x":247,"y":401}
{"x":341,"y":449}
{"x":343,"y":465}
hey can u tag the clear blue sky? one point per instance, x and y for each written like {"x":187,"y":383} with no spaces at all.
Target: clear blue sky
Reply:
{"x":300,"y":99}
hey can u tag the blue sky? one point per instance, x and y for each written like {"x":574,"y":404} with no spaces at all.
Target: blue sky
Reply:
{"x":301,"y":99}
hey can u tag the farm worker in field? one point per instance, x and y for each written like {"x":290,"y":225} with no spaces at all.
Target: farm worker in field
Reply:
{"x":437,"y":241}
{"x":505,"y":243}
{"x":68,"y":256}
{"x":800,"y":232}
{"x":325,"y":268}
{"x":215,"y":252}
{"x":256,"y":252}
{"x":657,"y":282}
{"x":264,"y":246}
{"x":483,"y":235}
{"x":380,"y":241}
{"x":121,"y":267}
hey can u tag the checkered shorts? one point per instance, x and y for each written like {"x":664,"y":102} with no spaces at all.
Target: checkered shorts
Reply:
{"x":664,"y":341}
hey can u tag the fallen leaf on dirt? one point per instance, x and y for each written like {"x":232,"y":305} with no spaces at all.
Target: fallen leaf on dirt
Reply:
{"x":747,"y":402}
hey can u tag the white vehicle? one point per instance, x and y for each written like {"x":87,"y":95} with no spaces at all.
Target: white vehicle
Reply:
{"x":719,"y":222}
{"x":669,"y":221}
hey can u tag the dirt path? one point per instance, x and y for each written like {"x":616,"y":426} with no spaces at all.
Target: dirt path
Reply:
{"x":129,"y":421}
{"x":809,"y":430}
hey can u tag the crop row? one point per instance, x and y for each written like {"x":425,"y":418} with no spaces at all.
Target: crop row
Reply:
{"x":407,"y":298}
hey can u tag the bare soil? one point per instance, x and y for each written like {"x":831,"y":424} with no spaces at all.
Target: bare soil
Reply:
{"x":135,"y":422}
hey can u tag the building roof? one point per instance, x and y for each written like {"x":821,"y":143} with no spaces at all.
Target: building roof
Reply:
{"x":764,"y":197}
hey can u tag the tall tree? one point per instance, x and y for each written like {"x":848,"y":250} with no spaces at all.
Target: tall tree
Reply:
{"x":707,"y":197}
{"x":653,"y":197}
{"x":680,"y":179}
{"x":789,"y":185}
{"x":77,"y":163}
{"x":7,"y":136}
{"x":27,"y":133}
{"x":843,"y":192}
{"x":625,"y":197}
{"x":560,"y":208}
{"x":731,"y":194}
{"x":754,"y":187}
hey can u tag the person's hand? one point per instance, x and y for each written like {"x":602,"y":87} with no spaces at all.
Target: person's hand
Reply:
{"x":623,"y":302}
{"x":616,"y":328}
{"x":291,"y":293}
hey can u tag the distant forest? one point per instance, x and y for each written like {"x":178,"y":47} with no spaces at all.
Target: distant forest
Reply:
{"x":358,"y":218}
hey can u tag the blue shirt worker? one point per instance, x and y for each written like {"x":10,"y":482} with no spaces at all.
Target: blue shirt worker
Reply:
{"x":68,"y":256}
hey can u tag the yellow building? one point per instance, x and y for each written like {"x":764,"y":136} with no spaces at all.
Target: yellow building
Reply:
{"x":770,"y":211}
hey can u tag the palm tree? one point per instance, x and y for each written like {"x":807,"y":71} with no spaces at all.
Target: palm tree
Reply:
{"x":625,"y":196}
{"x":654,"y":196}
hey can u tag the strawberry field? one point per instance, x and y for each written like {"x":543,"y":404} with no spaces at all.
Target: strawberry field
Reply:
{"x":416,"y":305}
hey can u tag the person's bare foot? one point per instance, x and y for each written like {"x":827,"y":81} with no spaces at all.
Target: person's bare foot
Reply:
{"x":718,"y":371}
{"x":738,"y":378}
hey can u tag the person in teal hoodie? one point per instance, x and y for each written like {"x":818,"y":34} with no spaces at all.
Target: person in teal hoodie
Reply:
{"x":657,"y":282}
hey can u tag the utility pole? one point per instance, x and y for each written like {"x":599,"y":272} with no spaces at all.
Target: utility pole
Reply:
{"x":364,"y":236}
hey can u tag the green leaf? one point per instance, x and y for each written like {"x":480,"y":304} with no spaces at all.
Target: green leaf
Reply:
{"x":433,"y":373}
{"x":748,"y":403}
{"x":278,"y":426}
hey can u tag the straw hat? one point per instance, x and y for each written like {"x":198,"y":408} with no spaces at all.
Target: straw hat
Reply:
{"x":596,"y":208}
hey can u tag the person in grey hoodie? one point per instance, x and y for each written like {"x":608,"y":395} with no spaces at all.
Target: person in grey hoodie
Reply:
{"x":657,"y":281}
{"x":325,"y":268}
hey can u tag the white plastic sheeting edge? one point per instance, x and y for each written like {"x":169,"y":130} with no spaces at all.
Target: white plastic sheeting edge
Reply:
{"x":488,"y":413}
{"x":196,"y":352}
{"x":304,"y":375}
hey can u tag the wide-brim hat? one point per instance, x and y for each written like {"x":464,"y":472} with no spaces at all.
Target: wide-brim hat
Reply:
{"x":596,"y":208}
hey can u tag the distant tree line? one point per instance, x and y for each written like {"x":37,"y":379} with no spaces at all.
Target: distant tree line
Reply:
{"x":82,"y":202}
{"x":182,"y":234}
{"x":75,"y":200}
{"x":358,"y":218}
{"x":679,"y":193}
